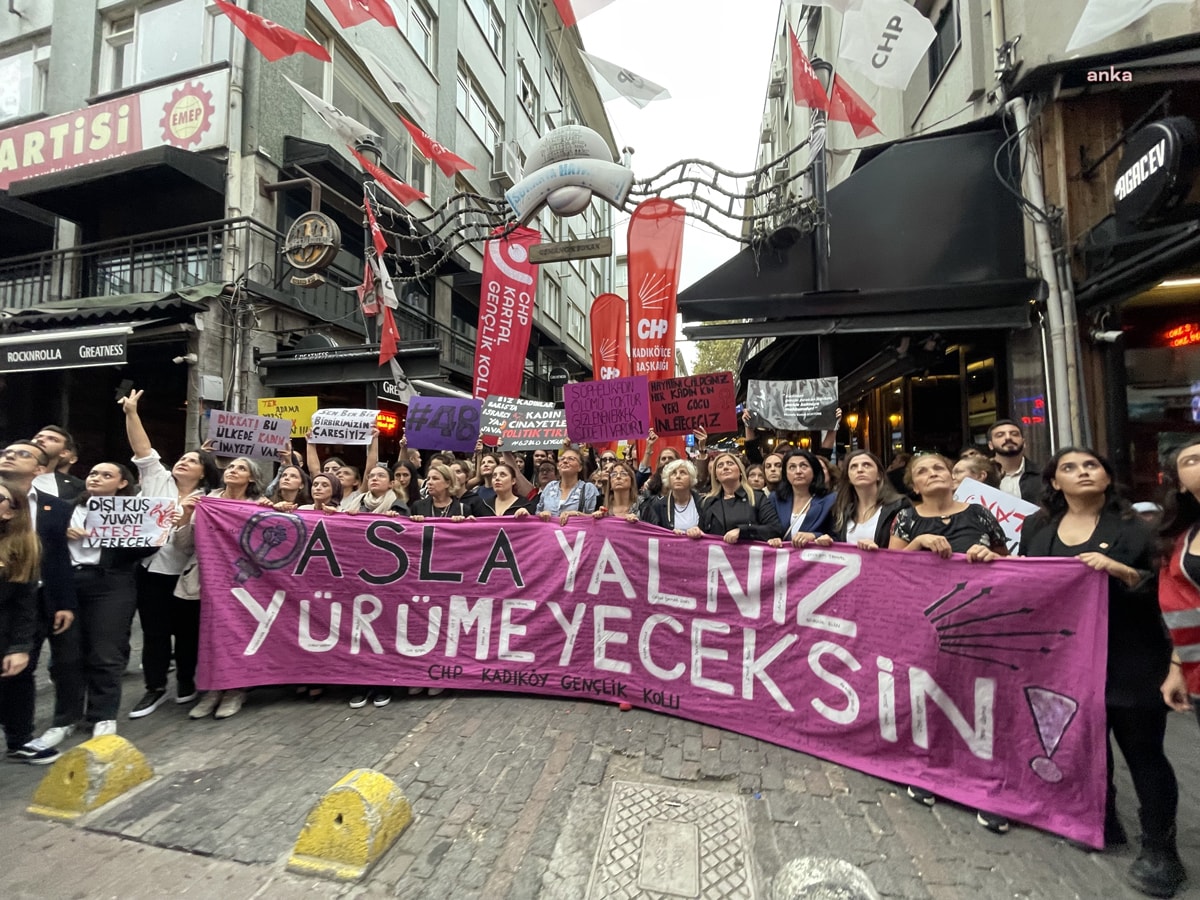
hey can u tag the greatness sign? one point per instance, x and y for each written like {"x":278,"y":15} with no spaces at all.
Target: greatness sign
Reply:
{"x":994,"y":696}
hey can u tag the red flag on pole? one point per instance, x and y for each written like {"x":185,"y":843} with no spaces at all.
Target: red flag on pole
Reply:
{"x":271,"y":40}
{"x":846,"y":106}
{"x":377,"y":236}
{"x":355,"y":12}
{"x":406,"y":194}
{"x":571,"y":11}
{"x":389,"y":335}
{"x":368,"y":293}
{"x":806,"y":87}
{"x":446,"y":161}
{"x":610,"y":356}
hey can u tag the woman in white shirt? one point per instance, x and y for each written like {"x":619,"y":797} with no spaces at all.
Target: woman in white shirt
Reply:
{"x":866,"y":504}
{"x":164,"y":616}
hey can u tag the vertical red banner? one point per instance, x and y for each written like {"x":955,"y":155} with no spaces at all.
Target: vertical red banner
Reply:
{"x":655,"y":251}
{"x":610,"y":355}
{"x":505,"y":313}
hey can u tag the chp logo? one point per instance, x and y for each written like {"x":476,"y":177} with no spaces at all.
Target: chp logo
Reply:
{"x":187,"y":115}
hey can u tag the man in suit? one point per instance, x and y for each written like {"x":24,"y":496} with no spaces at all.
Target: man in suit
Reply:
{"x":22,"y":462}
{"x":1018,"y":475}
{"x":58,"y":445}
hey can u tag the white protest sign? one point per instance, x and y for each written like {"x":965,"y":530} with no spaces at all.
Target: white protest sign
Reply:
{"x":343,"y":426}
{"x":241,"y":434}
{"x":1009,"y":511}
{"x":128,"y":521}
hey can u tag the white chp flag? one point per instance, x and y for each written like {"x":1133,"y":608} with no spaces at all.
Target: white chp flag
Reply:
{"x":886,"y":41}
{"x":1104,"y":18}
{"x":349,"y":131}
{"x":613,"y":81}
{"x":393,"y":88}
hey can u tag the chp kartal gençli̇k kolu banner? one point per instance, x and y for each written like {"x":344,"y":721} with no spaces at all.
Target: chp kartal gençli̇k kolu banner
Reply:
{"x":506,"y":299}
{"x":983,"y":682}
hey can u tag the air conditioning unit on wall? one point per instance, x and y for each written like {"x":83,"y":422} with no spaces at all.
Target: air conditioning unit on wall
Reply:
{"x":506,"y":163}
{"x":775,"y":87}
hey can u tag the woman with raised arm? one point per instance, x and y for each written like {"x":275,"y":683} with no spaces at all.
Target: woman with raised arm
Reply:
{"x":620,"y":493}
{"x":866,"y":506}
{"x":326,"y":490}
{"x":442,"y":501}
{"x":802,"y":501}
{"x":378,"y":498}
{"x":165,"y":617}
{"x":732,"y":509}
{"x":1083,"y":518}
{"x":679,"y":508}
{"x":569,"y":495}
{"x":505,"y":501}
{"x":20,"y":573}
{"x":291,"y":490}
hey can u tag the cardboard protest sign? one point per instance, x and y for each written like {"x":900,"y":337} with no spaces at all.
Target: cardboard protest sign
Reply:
{"x":241,"y":434}
{"x":993,"y":697}
{"x":614,"y":410}
{"x":343,"y":426}
{"x":442,"y":423}
{"x":681,"y":405}
{"x":498,"y":409}
{"x":534,"y":427}
{"x":810,"y":403}
{"x":1009,"y":511}
{"x":128,"y":521}
{"x":299,"y":409}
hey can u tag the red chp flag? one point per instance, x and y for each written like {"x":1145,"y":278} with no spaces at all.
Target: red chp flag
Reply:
{"x":846,"y":106}
{"x":431,"y":149}
{"x":505,"y":313}
{"x":610,"y":358}
{"x":806,"y":87}
{"x":655,"y":249}
{"x":571,"y":11}
{"x":354,"y":12}
{"x":270,"y":39}
{"x":398,"y":189}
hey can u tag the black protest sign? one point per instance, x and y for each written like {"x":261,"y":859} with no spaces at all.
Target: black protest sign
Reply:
{"x":534,"y":428}
{"x":810,"y":403}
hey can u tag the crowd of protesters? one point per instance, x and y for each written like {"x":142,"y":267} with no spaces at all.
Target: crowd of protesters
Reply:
{"x":54,"y":586}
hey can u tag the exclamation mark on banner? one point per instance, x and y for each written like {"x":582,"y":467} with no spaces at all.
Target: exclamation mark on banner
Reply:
{"x":1052,"y":714}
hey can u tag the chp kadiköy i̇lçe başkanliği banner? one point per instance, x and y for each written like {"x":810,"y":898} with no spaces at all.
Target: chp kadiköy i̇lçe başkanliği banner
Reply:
{"x":984,"y":682}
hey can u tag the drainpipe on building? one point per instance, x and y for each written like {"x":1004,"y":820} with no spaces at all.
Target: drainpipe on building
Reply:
{"x":820,"y":180}
{"x":1080,"y":426}
{"x":1062,"y":434}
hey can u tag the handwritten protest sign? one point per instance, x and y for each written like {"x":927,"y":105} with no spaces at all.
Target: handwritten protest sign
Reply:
{"x":343,"y":426}
{"x":128,"y":521}
{"x":681,"y":405}
{"x":614,"y":410}
{"x":442,"y":423}
{"x":532,"y":427}
{"x":994,"y":697}
{"x":497,"y":410}
{"x":241,"y":434}
{"x":299,"y":409}
{"x":793,"y":405}
{"x":1009,"y":511}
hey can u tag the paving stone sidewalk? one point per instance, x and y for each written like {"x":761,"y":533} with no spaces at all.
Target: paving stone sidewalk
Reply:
{"x":510,"y":794}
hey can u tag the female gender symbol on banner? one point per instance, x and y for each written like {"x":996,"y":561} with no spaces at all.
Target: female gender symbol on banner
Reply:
{"x":270,"y":540}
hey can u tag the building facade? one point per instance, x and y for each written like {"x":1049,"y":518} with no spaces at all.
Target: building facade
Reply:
{"x":1004,"y":265}
{"x":152,"y":162}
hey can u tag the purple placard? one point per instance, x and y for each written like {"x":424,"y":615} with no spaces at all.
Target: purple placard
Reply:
{"x":973,"y":680}
{"x":442,"y":423}
{"x":617,"y":409}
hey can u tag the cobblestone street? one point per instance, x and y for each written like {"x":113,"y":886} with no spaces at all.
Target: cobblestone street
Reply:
{"x":510,"y":796}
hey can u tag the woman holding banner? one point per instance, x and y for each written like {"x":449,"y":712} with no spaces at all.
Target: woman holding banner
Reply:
{"x":164,"y":616}
{"x":505,"y":501}
{"x":1083,"y":518}
{"x":734,"y":511}
{"x":1179,"y":582}
{"x":291,"y":490}
{"x":867,"y":506}
{"x":378,"y":498}
{"x":91,"y":656}
{"x":620,"y":493}
{"x":802,"y":501}
{"x":443,"y":492}
{"x":569,"y":495}
{"x":326,"y":491}
{"x":678,"y":509}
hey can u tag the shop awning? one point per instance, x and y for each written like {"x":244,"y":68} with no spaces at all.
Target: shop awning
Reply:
{"x":420,"y":359}
{"x":73,"y":349}
{"x":922,"y":236}
{"x":114,"y":308}
{"x":26,"y":228}
{"x":81,"y":193}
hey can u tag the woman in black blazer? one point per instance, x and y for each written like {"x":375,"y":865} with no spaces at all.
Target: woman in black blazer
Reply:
{"x":1083,"y":518}
{"x":733,"y":510}
{"x":866,"y":502}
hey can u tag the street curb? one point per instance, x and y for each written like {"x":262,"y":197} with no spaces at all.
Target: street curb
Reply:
{"x":88,"y":776}
{"x":350,"y":827}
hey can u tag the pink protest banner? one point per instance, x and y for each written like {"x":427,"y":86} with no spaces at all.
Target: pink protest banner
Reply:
{"x":982,"y":682}
{"x":617,"y":409}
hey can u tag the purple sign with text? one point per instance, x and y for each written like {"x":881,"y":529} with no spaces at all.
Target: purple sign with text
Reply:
{"x":442,"y":423}
{"x":982,"y":682}
{"x":617,"y":409}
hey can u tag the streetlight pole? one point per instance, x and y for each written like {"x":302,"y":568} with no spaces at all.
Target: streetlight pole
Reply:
{"x":820,"y":181}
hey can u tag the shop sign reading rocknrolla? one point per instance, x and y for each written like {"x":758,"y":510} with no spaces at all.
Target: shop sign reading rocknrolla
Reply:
{"x":190,"y":114}
{"x":62,"y":353}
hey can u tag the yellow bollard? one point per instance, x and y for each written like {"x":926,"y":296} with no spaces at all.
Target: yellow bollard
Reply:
{"x":88,"y":776}
{"x":351,"y":826}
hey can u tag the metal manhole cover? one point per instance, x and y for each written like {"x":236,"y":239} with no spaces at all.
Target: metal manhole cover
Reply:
{"x":660,"y":843}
